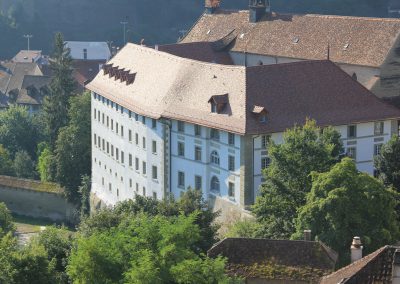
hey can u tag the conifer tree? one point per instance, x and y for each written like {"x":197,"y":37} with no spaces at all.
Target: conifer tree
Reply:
{"x":61,"y":89}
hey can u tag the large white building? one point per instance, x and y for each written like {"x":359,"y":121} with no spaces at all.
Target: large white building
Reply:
{"x":162,"y":123}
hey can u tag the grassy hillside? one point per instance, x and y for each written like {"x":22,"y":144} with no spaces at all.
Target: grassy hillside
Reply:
{"x":157,"y":21}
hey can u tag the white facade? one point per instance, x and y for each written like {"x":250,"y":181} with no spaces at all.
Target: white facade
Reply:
{"x":88,"y":50}
{"x":133,"y":154}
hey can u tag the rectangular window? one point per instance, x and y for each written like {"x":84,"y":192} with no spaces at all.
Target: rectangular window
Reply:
{"x":109,"y":187}
{"x":103,"y":144}
{"x":130,"y":183}
{"x":231,"y":163}
{"x":143,"y":119}
{"x":181,"y":179}
{"x":137,"y":187}
{"x":130,"y":160}
{"x":377,"y":149}
{"x":98,"y":141}
{"x":144,"y":191}
{"x":181,"y":149}
{"x":98,"y":115}
{"x":112,"y":150}
{"x":155,"y":195}
{"x":352,"y":131}
{"x":264,"y":141}
{"x":144,"y":142}
{"x":379,"y":128}
{"x":197,"y":153}
{"x":136,"y":163}
{"x":154,"y":146}
{"x":122,"y":157}
{"x":117,"y":154}
{"x":130,"y":135}
{"x":116,"y":127}
{"x":95,"y":138}
{"x":102,"y":181}
{"x":265,"y":162}
{"x":154,"y":172}
{"x":352,"y":152}
{"x":137,"y":138}
{"x":102,"y":118}
{"x":231,"y":189}
{"x":197,"y":130}
{"x":94,"y":113}
{"x":122,"y":131}
{"x":198,"y":182}
{"x":108,"y":148}
{"x":154,"y":123}
{"x":144,"y":167}
{"x":231,"y":139}
{"x":130,"y":114}
{"x":136,"y":117}
{"x":112,"y":124}
{"x":108,"y":121}
{"x":117,"y":106}
{"x":122,"y":109}
{"x":214,"y":134}
{"x":181,"y":126}
{"x":108,"y":102}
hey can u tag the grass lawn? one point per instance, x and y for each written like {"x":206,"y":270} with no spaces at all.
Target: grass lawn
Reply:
{"x":26,"y":224}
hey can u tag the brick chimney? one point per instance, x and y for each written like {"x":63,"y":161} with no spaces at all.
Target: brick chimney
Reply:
{"x":258,"y":9}
{"x":307,"y":235}
{"x":396,"y":267}
{"x":211,"y":6}
{"x":356,"y":249}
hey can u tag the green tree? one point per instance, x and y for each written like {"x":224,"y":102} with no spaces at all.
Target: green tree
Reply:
{"x":244,"y":229}
{"x":84,"y":191}
{"x":18,"y":131}
{"x":55,"y":105}
{"x":6,"y":166}
{"x":6,"y":220}
{"x":144,"y":249}
{"x":304,"y":149}
{"x":57,"y":243}
{"x":23,"y":165}
{"x":73,"y":147}
{"x":46,"y":165}
{"x":344,"y":203}
{"x":387,"y":163}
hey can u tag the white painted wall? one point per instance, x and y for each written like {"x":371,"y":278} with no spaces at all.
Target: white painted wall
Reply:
{"x":119,"y":174}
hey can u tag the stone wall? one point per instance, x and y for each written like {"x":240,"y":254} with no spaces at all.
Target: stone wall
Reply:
{"x":35,"y":199}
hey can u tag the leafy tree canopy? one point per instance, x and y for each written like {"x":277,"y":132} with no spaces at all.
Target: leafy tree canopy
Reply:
{"x":304,"y":149}
{"x":388,"y":163}
{"x":344,"y":203}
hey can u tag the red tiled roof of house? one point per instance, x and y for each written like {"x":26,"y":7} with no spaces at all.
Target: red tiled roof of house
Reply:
{"x":352,"y":40}
{"x":178,"y":88}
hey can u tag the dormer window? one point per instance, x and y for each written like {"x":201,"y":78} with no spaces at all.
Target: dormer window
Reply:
{"x":261,"y":113}
{"x":218,"y":103}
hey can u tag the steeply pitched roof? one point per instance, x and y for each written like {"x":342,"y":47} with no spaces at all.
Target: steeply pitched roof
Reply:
{"x":352,"y":40}
{"x":201,"y":51}
{"x":12,"y":75}
{"x":313,"y":259}
{"x":84,"y":71}
{"x":377,"y":266}
{"x":31,"y":90}
{"x":178,"y":88}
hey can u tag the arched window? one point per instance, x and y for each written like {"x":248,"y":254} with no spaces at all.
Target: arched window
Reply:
{"x":214,"y":184}
{"x":215,"y":157}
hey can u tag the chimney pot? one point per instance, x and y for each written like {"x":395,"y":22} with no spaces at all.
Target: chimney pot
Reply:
{"x":307,"y":235}
{"x":356,"y":249}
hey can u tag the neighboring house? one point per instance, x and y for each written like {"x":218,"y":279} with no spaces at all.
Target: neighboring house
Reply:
{"x":263,"y":261}
{"x":89,"y":50}
{"x":22,"y":84}
{"x":366,"y":48}
{"x":381,"y":266}
{"x":163,"y":123}
{"x":30,"y":56}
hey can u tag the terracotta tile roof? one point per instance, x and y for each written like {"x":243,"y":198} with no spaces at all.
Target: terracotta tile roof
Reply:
{"x":84,"y":71}
{"x":243,"y":254}
{"x":201,"y":51}
{"x":377,"y":266}
{"x":178,"y":88}
{"x":352,"y":40}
